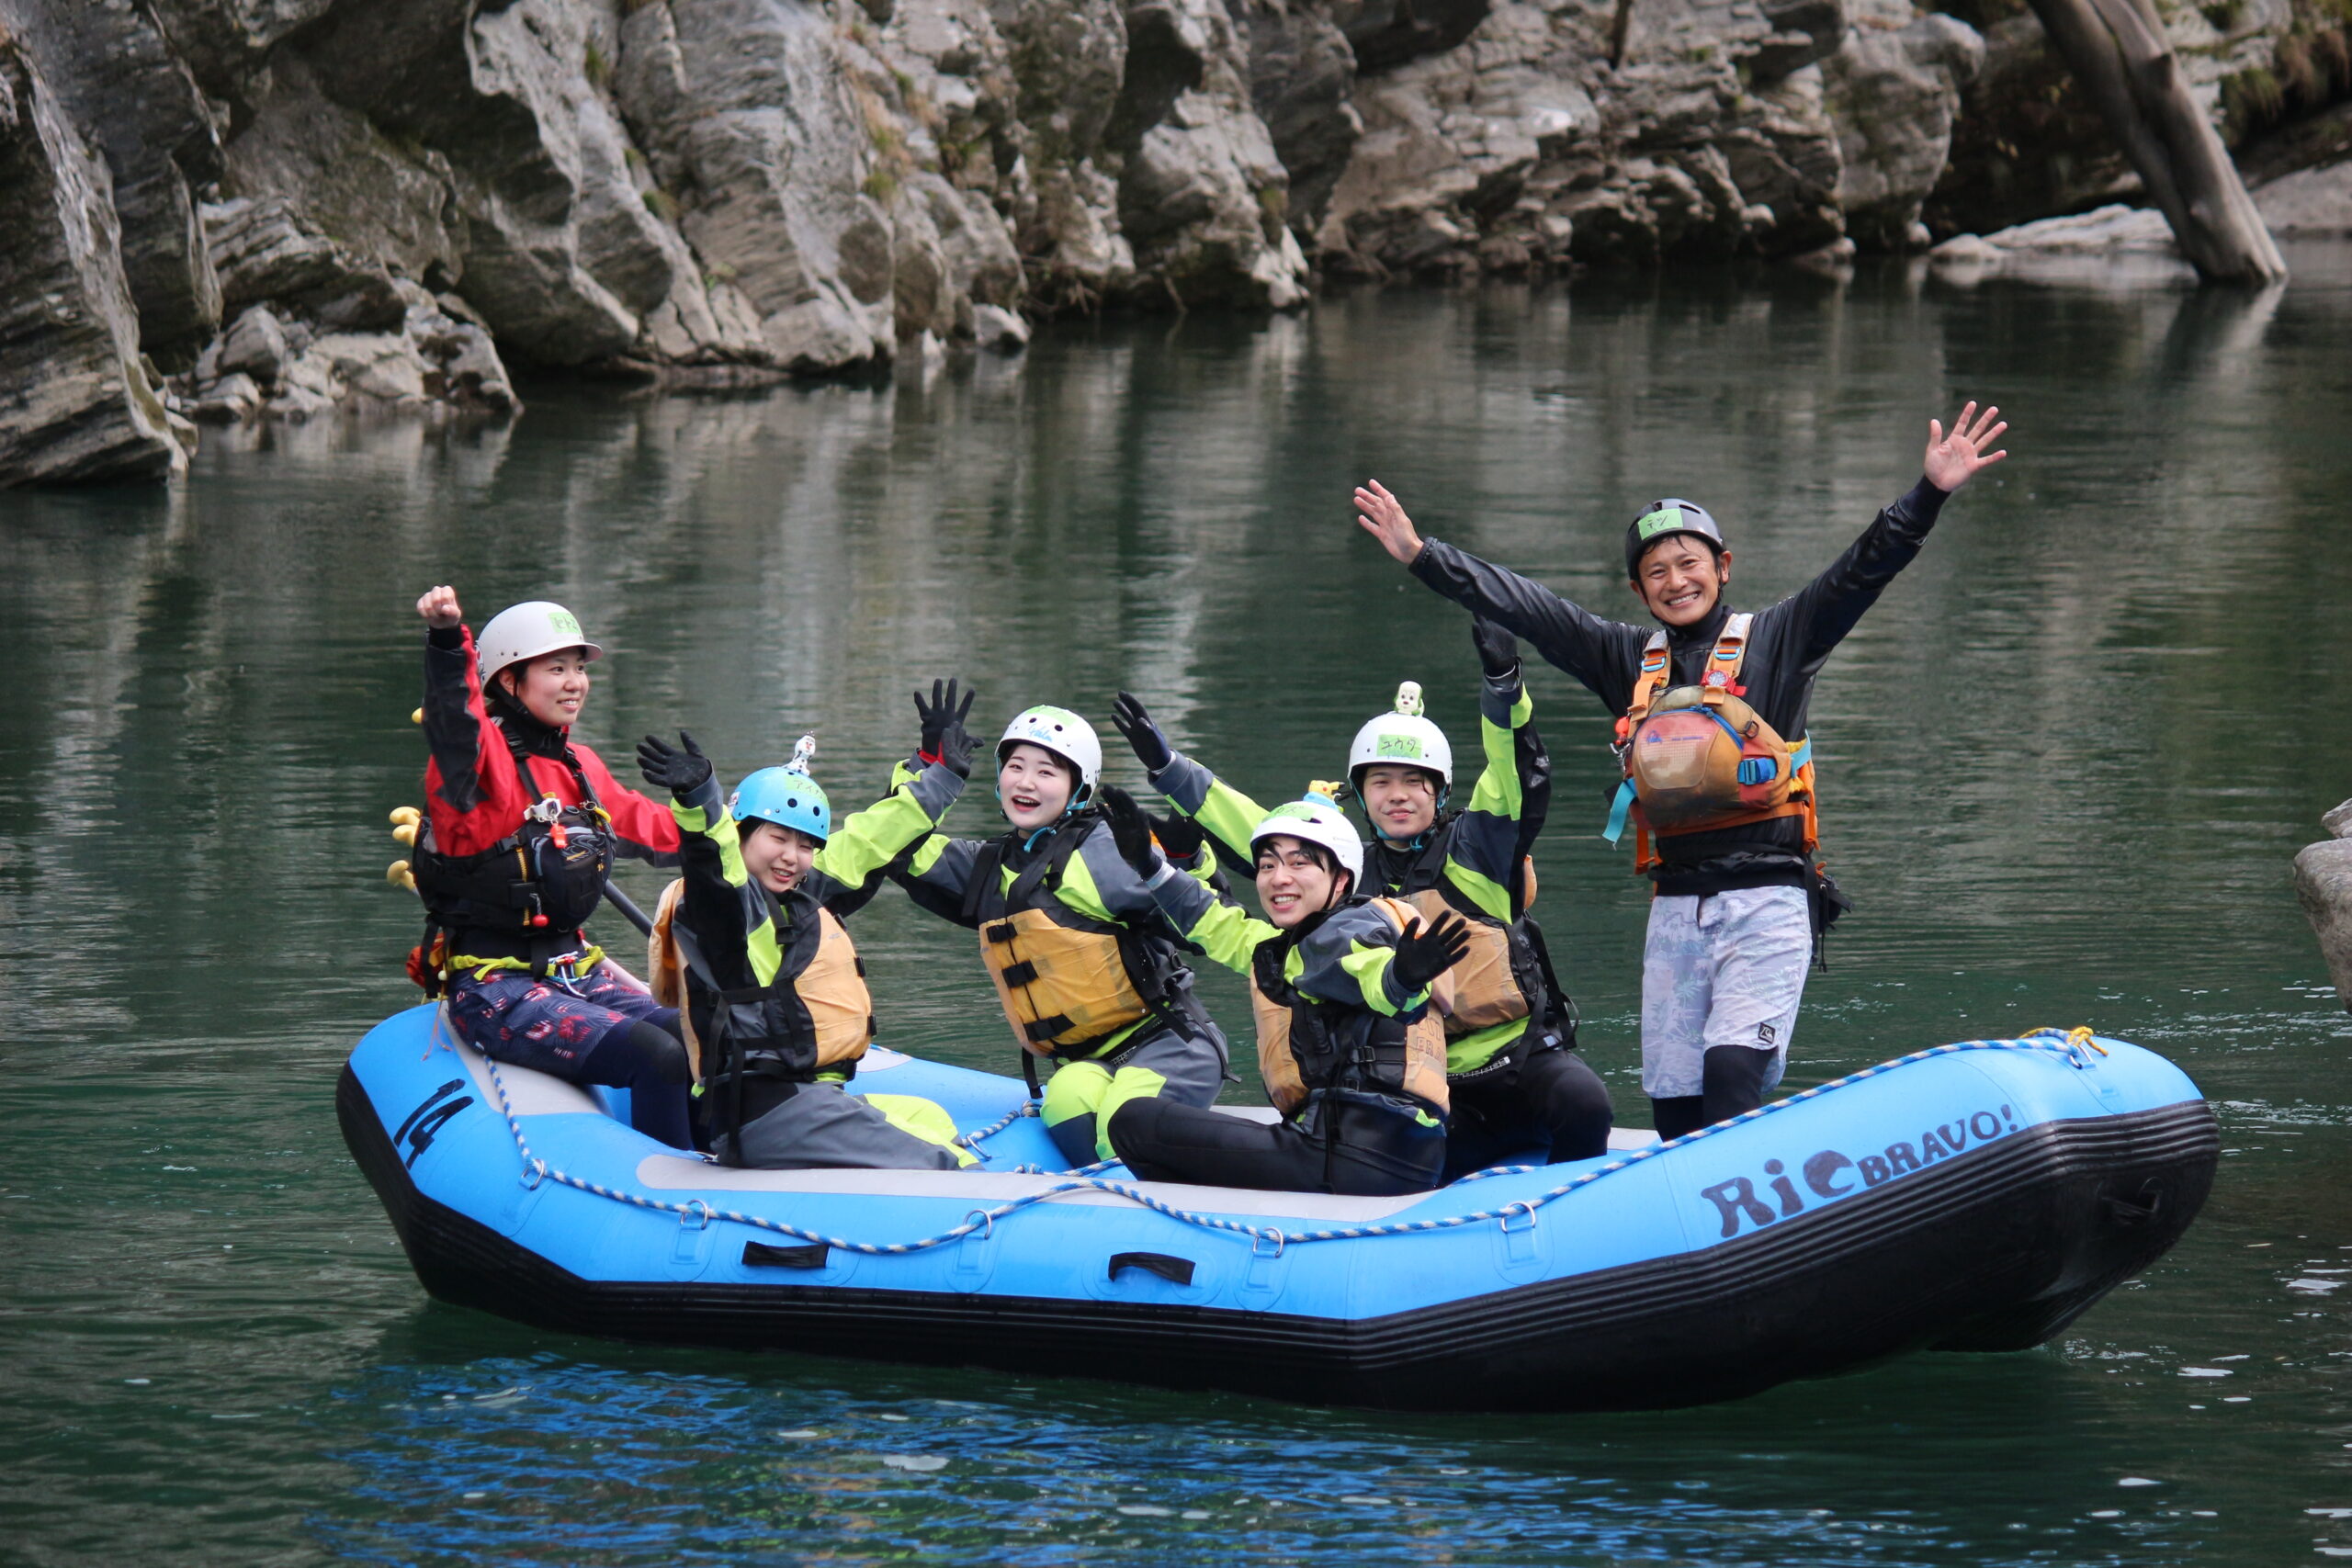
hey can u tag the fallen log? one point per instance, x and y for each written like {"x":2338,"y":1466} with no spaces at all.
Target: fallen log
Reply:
{"x":2118,"y":51}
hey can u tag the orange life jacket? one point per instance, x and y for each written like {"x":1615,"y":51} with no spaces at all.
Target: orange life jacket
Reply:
{"x":1296,"y":1052}
{"x":1697,"y":759}
{"x":1490,"y":985}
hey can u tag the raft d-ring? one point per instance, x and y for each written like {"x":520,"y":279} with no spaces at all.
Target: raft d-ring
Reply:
{"x":988,"y":1223}
{"x":1277,"y":1236}
{"x":533,"y":1173}
{"x":1503,"y":1215}
{"x":694,"y":1209}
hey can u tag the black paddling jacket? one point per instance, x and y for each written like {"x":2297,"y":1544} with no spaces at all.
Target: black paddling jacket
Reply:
{"x":1787,"y":645}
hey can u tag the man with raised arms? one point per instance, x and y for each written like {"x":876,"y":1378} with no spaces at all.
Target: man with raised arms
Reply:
{"x":1718,"y":766}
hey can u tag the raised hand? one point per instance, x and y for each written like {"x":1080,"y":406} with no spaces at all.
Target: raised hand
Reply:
{"x":1132,"y":719}
{"x":1423,"y":955}
{"x":1130,"y":830}
{"x":440,"y":608}
{"x":1180,"y":836}
{"x":680,"y":771}
{"x":1498,"y":649}
{"x":941,"y":712}
{"x":1953,"y":460}
{"x":1382,"y":516}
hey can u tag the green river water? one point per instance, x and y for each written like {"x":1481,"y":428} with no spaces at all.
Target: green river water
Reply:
{"x":2066,"y":763}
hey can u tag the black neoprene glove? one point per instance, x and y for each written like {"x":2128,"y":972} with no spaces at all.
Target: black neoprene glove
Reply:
{"x":1498,"y":649}
{"x":1180,"y":836}
{"x":943,"y":735}
{"x":1130,"y":830}
{"x":1130,"y":718}
{"x":666,"y":767}
{"x":1423,"y":955}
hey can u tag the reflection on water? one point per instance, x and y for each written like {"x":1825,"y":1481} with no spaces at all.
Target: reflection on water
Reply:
{"x":2064,"y":762}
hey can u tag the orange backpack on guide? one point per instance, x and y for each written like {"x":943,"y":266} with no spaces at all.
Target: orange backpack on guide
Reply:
{"x":1697,"y":759}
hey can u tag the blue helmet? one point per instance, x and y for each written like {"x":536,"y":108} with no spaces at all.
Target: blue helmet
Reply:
{"x":786,"y":796}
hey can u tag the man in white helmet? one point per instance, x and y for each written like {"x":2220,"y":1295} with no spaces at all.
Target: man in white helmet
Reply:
{"x":1346,"y":990}
{"x":522,"y":823}
{"x":1712,"y":737}
{"x":1087,"y":964}
{"x":1517,"y":1087}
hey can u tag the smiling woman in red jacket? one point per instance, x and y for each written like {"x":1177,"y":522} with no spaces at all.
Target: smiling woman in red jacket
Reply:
{"x":522,"y":824}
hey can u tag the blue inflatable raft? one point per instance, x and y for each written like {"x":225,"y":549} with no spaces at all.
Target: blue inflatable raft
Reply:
{"x":1977,"y":1196}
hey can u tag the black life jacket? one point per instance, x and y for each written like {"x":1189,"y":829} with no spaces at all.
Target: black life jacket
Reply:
{"x":533,"y":890}
{"x":1305,"y":1047}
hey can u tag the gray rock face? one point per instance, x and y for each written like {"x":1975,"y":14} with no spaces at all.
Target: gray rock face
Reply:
{"x":1523,"y":149}
{"x":1202,"y":197}
{"x":116,"y":78}
{"x":1302,"y":76}
{"x":353,"y":184}
{"x":74,"y":402}
{"x":2324,"y":884}
{"x":1894,"y":89}
{"x":562,"y":256}
{"x":1389,"y":32}
{"x":2338,"y":822}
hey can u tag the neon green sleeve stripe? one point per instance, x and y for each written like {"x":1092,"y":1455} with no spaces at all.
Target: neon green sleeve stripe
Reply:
{"x":869,"y":840}
{"x":927,"y":854}
{"x":1482,"y":890}
{"x":1497,"y":789}
{"x":1369,"y":965}
{"x":1230,"y":815}
{"x":1078,"y":890}
{"x":1230,"y":935}
{"x":719,"y":829}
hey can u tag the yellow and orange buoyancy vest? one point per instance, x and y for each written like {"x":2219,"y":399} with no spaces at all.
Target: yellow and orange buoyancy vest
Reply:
{"x":830,"y":987}
{"x":1298,"y":1051}
{"x":1489,"y":985}
{"x":1066,"y":982}
{"x":1697,"y":759}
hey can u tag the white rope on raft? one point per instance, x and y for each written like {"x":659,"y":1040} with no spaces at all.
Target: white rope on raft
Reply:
{"x":2070,"y":1045}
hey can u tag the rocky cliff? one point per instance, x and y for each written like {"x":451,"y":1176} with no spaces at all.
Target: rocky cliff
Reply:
{"x":232,"y":209}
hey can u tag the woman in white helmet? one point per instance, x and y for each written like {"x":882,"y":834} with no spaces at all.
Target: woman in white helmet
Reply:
{"x":1346,"y":989}
{"x":1518,"y":1085}
{"x":1087,"y":965}
{"x":521,"y":826}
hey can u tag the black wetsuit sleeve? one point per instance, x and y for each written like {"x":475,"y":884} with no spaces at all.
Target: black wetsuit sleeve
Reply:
{"x":1602,"y":654}
{"x":1807,"y":627}
{"x":452,"y":728}
{"x":1800,"y":631}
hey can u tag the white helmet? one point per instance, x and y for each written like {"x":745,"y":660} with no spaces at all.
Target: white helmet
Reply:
{"x":527,"y":631}
{"x":1402,"y":735}
{"x":1318,"y":820}
{"x":1064,"y":734}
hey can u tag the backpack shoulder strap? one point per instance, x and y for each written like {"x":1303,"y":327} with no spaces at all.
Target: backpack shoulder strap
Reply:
{"x":1656,"y":673}
{"x":1721,"y":678}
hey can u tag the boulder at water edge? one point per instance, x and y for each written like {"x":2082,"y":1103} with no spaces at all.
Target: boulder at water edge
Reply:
{"x":2323,"y":883}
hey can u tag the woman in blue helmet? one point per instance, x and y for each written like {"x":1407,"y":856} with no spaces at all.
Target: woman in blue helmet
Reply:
{"x":750,"y":942}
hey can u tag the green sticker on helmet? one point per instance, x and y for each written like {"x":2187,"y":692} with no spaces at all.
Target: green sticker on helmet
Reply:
{"x":563,"y":621}
{"x":1399,"y":746}
{"x":1665,"y":520}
